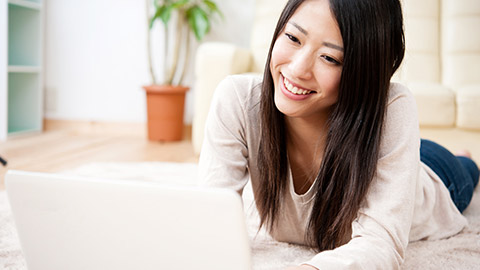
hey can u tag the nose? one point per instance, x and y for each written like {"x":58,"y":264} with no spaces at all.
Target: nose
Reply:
{"x":301,"y":64}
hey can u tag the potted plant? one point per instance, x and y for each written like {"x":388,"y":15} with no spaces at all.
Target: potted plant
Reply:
{"x":166,"y":96}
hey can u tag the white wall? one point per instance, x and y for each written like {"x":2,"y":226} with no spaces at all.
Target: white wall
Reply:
{"x":96,"y":61}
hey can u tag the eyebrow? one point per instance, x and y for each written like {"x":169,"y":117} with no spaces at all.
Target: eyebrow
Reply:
{"x":326,"y":44}
{"x":333,"y":46}
{"x":299,"y":28}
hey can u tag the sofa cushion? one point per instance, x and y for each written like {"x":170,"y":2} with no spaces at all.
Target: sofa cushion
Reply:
{"x":436,"y":104}
{"x":460,"y":42}
{"x":422,"y":41}
{"x":267,"y":13}
{"x":468,"y":107}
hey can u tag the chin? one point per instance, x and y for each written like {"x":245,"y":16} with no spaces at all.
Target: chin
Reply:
{"x":282,"y":105}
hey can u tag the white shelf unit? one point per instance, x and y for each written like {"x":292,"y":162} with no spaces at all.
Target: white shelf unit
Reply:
{"x":21,"y":67}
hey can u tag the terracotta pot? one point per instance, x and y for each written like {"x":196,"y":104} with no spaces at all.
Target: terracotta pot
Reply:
{"x":165,"y":106}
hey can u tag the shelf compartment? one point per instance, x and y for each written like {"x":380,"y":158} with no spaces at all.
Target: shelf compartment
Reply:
{"x":26,"y":4}
{"x":24,"y":69}
{"x":24,"y":103}
{"x":24,"y":40}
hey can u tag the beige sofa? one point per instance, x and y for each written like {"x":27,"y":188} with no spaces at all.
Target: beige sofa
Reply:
{"x":441,"y":66}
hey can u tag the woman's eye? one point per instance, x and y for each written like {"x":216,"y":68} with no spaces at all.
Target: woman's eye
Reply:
{"x":292,"y":38}
{"x":330,"y":59}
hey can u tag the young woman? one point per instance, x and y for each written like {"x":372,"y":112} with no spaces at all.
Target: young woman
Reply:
{"x":331,"y":147}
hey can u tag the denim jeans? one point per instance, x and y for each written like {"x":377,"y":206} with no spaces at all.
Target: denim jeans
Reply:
{"x":459,"y":174}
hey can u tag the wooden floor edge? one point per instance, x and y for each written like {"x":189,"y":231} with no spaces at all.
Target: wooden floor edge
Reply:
{"x":123,"y":128}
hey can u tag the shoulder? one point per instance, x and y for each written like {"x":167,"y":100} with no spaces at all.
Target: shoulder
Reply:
{"x":248,"y":80}
{"x":240,"y":86}
{"x":243,"y":90}
{"x":401,"y":118}
{"x":401,"y":103}
{"x":399,"y":91}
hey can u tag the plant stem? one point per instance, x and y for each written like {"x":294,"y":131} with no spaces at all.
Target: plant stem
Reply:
{"x":176,"y":53}
{"x":166,"y":79}
{"x":149,"y":47}
{"x":187,"y":56}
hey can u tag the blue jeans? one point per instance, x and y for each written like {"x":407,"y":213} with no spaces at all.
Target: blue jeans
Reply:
{"x":459,"y":174}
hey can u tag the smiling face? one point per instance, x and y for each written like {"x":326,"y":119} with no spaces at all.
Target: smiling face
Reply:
{"x":306,"y":62}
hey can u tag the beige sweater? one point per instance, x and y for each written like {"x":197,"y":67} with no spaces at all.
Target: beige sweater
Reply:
{"x":406,"y":201}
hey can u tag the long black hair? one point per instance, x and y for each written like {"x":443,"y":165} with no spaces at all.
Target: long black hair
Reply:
{"x":374,"y":46}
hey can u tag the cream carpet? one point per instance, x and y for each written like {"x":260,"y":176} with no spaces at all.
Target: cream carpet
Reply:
{"x":459,"y":252}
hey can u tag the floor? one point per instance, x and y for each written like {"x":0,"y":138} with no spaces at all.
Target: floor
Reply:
{"x":455,"y":139}
{"x":64,"y":146}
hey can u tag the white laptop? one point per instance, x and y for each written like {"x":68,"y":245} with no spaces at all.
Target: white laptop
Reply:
{"x":68,"y":223}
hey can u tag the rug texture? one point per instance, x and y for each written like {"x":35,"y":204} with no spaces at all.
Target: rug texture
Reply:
{"x":461,"y":251}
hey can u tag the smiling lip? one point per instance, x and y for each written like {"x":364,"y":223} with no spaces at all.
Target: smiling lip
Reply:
{"x":301,"y":94}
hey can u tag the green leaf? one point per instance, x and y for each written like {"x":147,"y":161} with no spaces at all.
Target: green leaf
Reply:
{"x":163,"y":13}
{"x":198,"y":21}
{"x":166,"y":14}
{"x":154,"y":18}
{"x":180,"y":3}
{"x":212,"y":7}
{"x":159,"y":3}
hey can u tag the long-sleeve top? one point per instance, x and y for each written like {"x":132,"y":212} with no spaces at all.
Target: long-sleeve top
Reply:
{"x":406,"y":200}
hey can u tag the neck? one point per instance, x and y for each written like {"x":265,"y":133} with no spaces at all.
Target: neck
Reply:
{"x":305,"y":148}
{"x":306,"y":134}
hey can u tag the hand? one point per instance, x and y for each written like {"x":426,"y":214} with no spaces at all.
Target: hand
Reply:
{"x":302,"y":267}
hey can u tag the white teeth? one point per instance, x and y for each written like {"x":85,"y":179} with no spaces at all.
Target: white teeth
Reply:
{"x":295,"y":89}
